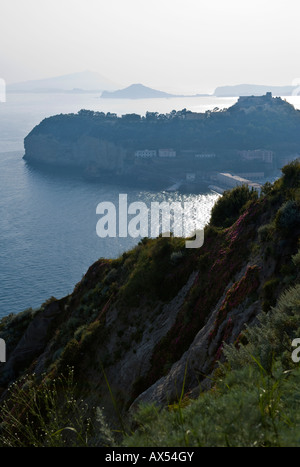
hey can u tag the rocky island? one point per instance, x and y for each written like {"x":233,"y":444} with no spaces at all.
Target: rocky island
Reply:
{"x":256,"y":135}
{"x":136,"y":91}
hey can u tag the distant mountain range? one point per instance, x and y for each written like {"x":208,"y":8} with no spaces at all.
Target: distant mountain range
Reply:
{"x":86,"y":81}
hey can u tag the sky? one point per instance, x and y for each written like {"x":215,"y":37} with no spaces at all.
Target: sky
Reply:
{"x":172,"y":45}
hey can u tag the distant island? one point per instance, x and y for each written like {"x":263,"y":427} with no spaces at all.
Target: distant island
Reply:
{"x":139,"y":91}
{"x":254,"y":138}
{"x":136,"y":91}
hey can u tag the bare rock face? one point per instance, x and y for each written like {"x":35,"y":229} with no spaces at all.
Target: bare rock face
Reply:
{"x":34,"y":339}
{"x":88,"y":152}
{"x":136,"y":362}
{"x":203,"y":354}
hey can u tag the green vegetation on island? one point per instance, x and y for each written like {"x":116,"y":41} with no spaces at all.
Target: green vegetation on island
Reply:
{"x":257,"y":134}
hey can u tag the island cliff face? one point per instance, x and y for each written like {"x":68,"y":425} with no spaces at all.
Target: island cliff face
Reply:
{"x":87,"y":152}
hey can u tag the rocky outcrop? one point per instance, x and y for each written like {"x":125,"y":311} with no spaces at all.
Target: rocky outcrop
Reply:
{"x":205,"y":351}
{"x":34,"y":340}
{"x":136,"y":362}
{"x":87,"y":152}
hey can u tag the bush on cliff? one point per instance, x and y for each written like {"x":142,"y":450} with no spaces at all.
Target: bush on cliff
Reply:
{"x":254,"y":399}
{"x":229,"y":207}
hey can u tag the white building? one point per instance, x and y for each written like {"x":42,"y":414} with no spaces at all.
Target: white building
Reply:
{"x":262,"y":155}
{"x":167,"y":153}
{"x":145,"y":153}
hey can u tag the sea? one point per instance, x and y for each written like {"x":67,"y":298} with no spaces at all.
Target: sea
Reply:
{"x":48,"y":220}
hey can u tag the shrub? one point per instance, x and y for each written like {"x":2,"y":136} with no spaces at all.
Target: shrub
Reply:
{"x":270,"y":293}
{"x":150,"y":274}
{"x":69,"y":355}
{"x":288,"y":216}
{"x":247,"y":408}
{"x":176,"y":257}
{"x":265,"y":232}
{"x":273,"y":335}
{"x":291,"y":174}
{"x":111,"y":276}
{"x":296,"y":259}
{"x":255,"y":400}
{"x":229,"y":207}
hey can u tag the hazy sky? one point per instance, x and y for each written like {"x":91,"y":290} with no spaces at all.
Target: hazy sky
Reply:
{"x":176,"y":45}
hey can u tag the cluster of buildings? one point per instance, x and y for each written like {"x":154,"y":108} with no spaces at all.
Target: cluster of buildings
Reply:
{"x":151,"y":153}
{"x":170,"y":153}
{"x":261,"y":155}
{"x":254,"y":101}
{"x":221,"y":181}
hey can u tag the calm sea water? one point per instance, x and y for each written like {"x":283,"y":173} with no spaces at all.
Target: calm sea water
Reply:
{"x":48,"y":220}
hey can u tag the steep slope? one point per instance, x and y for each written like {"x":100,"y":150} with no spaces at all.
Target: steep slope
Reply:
{"x":157,"y":319}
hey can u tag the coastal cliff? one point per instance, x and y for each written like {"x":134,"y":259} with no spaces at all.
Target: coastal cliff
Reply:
{"x":88,"y":152}
{"x":158,"y":321}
